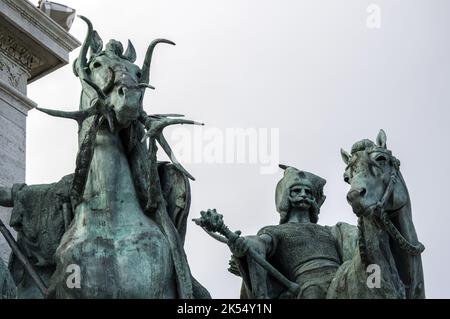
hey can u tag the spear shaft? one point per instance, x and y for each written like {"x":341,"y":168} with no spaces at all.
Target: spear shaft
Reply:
{"x":222,"y":229}
{"x":22,"y":258}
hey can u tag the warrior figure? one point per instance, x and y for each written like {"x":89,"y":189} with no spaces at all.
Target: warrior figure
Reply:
{"x":302,"y":250}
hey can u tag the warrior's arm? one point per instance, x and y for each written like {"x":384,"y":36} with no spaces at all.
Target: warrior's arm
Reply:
{"x":254,"y":275}
{"x":258,"y":274}
{"x":6,"y":197}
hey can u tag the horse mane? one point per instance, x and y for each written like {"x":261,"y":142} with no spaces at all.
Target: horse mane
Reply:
{"x":362,"y":146}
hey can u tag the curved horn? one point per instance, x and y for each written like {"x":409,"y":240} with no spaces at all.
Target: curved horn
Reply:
{"x":78,"y":116}
{"x":130,"y":53}
{"x":92,"y":39}
{"x":148,"y":59}
{"x":165,"y":146}
{"x":96,"y":43}
{"x":74,"y":115}
{"x":82,"y":58}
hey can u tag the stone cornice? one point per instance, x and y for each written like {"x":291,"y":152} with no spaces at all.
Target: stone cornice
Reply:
{"x":32,"y":39}
{"x":44,"y":23}
{"x":9,"y":91}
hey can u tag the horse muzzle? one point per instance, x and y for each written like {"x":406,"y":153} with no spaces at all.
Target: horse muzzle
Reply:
{"x":356,"y":198}
{"x":127,"y":104}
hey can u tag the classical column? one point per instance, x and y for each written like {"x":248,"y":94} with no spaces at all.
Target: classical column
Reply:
{"x":31,"y":46}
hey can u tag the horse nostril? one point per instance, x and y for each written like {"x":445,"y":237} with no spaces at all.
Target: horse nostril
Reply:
{"x":362,"y":192}
{"x":355,"y":194}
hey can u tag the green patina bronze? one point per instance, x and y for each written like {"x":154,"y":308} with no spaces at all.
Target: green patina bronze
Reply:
{"x":300,"y":259}
{"x":7,"y":286}
{"x":121,"y":217}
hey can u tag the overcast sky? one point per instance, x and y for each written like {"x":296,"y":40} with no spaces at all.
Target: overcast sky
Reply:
{"x":311,"y":69}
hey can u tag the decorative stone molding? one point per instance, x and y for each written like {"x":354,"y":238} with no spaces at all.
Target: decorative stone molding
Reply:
{"x":13,"y":73}
{"x":31,"y":46}
{"x":15,"y":98}
{"x":32,"y":39}
{"x":41,"y":21}
{"x":16,"y":51}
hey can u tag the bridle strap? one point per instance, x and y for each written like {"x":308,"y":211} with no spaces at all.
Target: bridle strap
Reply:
{"x":412,"y":249}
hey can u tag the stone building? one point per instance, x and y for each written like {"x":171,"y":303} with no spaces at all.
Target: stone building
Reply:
{"x":32,"y":45}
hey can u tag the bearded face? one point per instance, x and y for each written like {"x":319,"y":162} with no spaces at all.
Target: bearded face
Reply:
{"x":299,"y":190}
{"x":301,"y":195}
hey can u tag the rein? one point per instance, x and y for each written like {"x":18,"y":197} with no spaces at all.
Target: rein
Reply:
{"x":380,"y":207}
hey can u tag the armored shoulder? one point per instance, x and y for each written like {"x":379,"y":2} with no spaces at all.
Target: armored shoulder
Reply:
{"x":346,"y":237}
{"x":271,"y":230}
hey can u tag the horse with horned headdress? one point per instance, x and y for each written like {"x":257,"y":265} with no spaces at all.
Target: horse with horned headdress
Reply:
{"x":120,"y":219}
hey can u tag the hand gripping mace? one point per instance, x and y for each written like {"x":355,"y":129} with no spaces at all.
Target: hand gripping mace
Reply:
{"x":212,"y":223}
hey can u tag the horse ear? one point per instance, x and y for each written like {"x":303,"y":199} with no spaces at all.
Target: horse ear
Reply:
{"x":345,"y":156}
{"x":381,"y":139}
{"x":130,"y":53}
{"x":283,"y":167}
{"x":96,"y":43}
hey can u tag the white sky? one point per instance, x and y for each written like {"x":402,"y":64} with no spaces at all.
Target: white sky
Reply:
{"x":310,"y":68}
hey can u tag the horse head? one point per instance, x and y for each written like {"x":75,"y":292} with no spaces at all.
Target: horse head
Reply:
{"x":370,"y":169}
{"x":113,"y":90}
{"x":378,"y":193}
{"x":110,"y":79}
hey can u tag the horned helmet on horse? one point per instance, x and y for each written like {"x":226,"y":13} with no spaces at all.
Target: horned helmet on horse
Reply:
{"x":121,"y":217}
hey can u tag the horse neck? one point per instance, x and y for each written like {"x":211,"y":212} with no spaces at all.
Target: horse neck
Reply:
{"x":109,"y":160}
{"x":406,"y":210}
{"x":109,"y":188}
{"x":110,"y":173}
{"x":409,"y":266}
{"x":376,"y":246}
{"x":402,"y":217}
{"x":373,"y":229}
{"x":375,"y":241}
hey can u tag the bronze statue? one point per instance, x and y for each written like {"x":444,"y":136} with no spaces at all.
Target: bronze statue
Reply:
{"x":115,"y":228}
{"x":7,"y":287}
{"x":300,"y":259}
{"x":120,"y":219}
{"x":387,"y":236}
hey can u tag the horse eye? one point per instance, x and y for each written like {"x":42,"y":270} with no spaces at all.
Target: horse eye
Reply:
{"x":347,"y":179}
{"x":138,"y":74}
{"x":97,"y":65}
{"x":381,"y":158}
